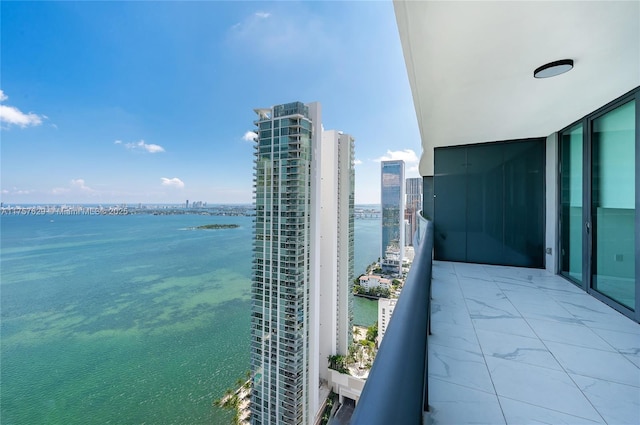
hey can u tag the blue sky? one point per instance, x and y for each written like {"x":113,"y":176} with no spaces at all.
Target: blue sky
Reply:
{"x":127,"y":102}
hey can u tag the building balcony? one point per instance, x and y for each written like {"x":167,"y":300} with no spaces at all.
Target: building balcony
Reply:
{"x":508,"y":345}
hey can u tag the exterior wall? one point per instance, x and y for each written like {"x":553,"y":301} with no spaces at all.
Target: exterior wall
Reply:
{"x":551,"y":204}
{"x":346,"y":241}
{"x":374,"y":281}
{"x":346,"y":385}
{"x":385,"y":311}
{"x":336,"y":246}
{"x":312,"y":373}
{"x":329,"y":246}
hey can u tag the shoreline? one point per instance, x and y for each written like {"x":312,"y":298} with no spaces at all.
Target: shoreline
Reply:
{"x":371,"y":297}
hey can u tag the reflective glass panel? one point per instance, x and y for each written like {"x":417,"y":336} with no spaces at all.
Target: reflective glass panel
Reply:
{"x":613,"y":204}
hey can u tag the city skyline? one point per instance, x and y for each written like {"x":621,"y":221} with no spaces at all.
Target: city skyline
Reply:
{"x":152,"y":108}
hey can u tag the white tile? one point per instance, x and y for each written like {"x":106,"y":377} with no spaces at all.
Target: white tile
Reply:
{"x":471,"y":287}
{"x":541,"y":307}
{"x":568,"y":333}
{"x":624,"y":342}
{"x":447,"y":294}
{"x":615,"y":322}
{"x":616,"y":403}
{"x":518,"y":412}
{"x":516,"y":348}
{"x":510,"y":325}
{"x":455,"y":315}
{"x":487,"y":308}
{"x":459,"y":367}
{"x":598,"y":315}
{"x":633,"y":358}
{"x":543,"y":387}
{"x":455,"y":404}
{"x":606,"y":365}
{"x":454,"y":336}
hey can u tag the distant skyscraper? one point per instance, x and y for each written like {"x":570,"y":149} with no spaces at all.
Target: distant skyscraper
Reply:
{"x":303,"y":260}
{"x":413,"y":205}
{"x":392,"y":200}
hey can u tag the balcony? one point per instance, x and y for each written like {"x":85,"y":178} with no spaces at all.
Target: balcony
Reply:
{"x":508,"y":345}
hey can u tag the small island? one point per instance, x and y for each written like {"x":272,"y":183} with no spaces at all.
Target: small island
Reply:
{"x":214,"y":226}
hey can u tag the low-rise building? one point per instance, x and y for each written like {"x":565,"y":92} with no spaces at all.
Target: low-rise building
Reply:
{"x":371,"y":281}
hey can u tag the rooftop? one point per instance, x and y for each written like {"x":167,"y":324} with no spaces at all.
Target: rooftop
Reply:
{"x":516,"y":345}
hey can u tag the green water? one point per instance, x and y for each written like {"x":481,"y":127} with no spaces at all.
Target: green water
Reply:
{"x":128,"y":319}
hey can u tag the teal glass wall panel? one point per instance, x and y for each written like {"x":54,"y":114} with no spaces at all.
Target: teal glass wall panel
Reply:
{"x":524,"y":202}
{"x":450,"y":204}
{"x":489,"y":203}
{"x":485,"y":197}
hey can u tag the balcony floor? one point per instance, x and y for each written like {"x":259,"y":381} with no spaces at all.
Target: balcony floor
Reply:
{"x":515,"y":345}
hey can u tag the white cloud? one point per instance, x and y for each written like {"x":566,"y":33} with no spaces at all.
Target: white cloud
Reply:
{"x":357,"y":162}
{"x":14,"y":116}
{"x":76,"y":186}
{"x":79,"y":184}
{"x":406,"y":155}
{"x":16,"y":191}
{"x":174,"y":182}
{"x":11,"y":115}
{"x":249,"y":136}
{"x":263,"y":15}
{"x":148,"y":147}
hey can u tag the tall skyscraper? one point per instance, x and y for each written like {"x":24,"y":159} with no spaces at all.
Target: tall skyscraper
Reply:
{"x":413,"y":205}
{"x":337,"y":230}
{"x":392,"y":200}
{"x":303,"y":260}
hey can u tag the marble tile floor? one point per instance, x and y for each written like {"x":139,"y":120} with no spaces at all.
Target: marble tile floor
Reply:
{"x":521,"y":346}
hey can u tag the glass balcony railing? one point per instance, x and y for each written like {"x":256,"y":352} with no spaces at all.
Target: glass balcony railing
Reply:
{"x":396,"y":391}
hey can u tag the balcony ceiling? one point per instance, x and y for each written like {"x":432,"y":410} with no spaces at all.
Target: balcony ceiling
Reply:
{"x":470,"y":66}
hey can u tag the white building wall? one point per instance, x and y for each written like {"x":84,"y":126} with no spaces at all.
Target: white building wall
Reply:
{"x":385,"y":311}
{"x":328,"y":249}
{"x":335,"y":181}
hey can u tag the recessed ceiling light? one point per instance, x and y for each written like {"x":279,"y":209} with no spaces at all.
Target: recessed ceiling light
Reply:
{"x":554,"y":68}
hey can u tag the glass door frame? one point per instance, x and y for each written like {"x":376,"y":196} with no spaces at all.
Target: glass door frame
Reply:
{"x":587,"y":234}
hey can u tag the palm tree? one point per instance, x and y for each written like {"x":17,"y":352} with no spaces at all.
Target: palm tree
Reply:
{"x":357,"y":332}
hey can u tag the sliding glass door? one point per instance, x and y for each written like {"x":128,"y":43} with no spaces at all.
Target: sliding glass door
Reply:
{"x":598,"y":216}
{"x":613,"y":200}
{"x":571,"y":212}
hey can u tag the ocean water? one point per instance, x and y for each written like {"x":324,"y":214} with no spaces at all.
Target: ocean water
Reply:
{"x":129,"y":319}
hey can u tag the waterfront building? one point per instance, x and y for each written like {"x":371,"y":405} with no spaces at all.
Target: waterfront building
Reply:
{"x":370,"y":281}
{"x":337,"y":184}
{"x":412,"y":206}
{"x":392,"y":203}
{"x":303,"y":261}
{"x":385,"y":311}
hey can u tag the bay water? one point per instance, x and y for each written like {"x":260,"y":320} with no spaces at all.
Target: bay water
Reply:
{"x":130,"y":319}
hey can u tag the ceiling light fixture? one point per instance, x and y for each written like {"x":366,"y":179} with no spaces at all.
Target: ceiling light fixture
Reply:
{"x":553,"y":68}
